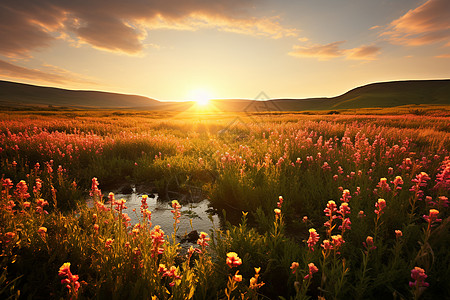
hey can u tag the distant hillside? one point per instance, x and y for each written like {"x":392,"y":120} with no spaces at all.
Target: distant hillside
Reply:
{"x":17,"y":94}
{"x":382,"y":94}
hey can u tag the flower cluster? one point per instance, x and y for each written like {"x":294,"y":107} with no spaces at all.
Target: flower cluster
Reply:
{"x":71,"y":281}
{"x":313,"y":239}
{"x":312,"y":269}
{"x":157,"y":236}
{"x":380,"y":205}
{"x":233,"y":260}
{"x":172,"y":273}
{"x":419,"y":276}
{"x":176,"y":211}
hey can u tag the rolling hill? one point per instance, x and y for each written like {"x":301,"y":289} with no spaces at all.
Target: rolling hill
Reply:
{"x":382,"y":94}
{"x":13,"y":93}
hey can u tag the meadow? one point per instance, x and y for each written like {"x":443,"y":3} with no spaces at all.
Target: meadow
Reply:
{"x":327,"y":206}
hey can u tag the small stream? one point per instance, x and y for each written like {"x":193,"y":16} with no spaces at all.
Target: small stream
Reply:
{"x":198,"y":212}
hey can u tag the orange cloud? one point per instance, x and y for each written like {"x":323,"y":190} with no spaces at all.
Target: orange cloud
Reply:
{"x":332,"y":50}
{"x":122,"y":27}
{"x":429,"y":23}
{"x":363,"y":52}
{"x":321,"y":52}
{"x":50,"y":74}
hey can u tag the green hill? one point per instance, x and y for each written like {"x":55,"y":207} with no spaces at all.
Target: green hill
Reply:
{"x":19,"y":94}
{"x":382,"y":94}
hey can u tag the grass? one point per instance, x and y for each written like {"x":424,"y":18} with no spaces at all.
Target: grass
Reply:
{"x":242,"y":168}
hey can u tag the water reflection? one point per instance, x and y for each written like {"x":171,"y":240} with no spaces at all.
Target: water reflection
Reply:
{"x":161,"y":215}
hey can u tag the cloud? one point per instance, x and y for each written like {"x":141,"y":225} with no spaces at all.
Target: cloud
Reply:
{"x":117,"y":26}
{"x":447,"y":55}
{"x":333,"y":50}
{"x":19,"y":32}
{"x":427,"y":24}
{"x":49,"y":74}
{"x":363,"y":52}
{"x":321,"y":52}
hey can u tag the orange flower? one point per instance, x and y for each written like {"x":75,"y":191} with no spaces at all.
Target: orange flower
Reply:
{"x":277,"y":213}
{"x":108,"y":243}
{"x":312,"y":269}
{"x":64,"y":269}
{"x":42,"y":231}
{"x":233,"y":259}
{"x":313,"y":239}
{"x":237,"y":277}
{"x":294,"y":267}
{"x":203,"y":240}
{"x":380,"y":205}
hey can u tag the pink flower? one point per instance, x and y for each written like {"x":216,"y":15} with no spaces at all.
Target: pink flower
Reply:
{"x":22,"y":190}
{"x":384,"y":185}
{"x":443,"y":201}
{"x":398,"y":234}
{"x":108,"y":243}
{"x":345,"y":196}
{"x":338,"y":241}
{"x":313,"y":239}
{"x":380,"y":205}
{"x":294,"y":267}
{"x":203,"y":240}
{"x":280,"y":201}
{"x":368,"y":244}
{"x":443,"y":177}
{"x":157,"y":236}
{"x":71,"y":281}
{"x":331,"y":208}
{"x":397,"y":182}
{"x":95,"y":191}
{"x":326,"y":245}
{"x":312,"y":269}
{"x":432,"y":217}
{"x":277,"y":212}
{"x":120,"y":204}
{"x":419,"y":276}
{"x":176,"y":211}
{"x":42,"y":231}
{"x":420,"y":181}
{"x":233,"y":259}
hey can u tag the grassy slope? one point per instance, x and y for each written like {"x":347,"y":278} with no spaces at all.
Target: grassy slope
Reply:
{"x":13,"y":93}
{"x":383,"y":94}
{"x":388,"y":94}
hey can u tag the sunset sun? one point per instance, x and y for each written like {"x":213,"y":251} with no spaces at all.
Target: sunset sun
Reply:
{"x":201,"y":97}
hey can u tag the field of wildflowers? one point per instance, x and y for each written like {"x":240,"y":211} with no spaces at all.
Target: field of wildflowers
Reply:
{"x":328,"y":207}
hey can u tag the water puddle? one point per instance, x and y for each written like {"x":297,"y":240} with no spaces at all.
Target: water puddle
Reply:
{"x":197,"y":213}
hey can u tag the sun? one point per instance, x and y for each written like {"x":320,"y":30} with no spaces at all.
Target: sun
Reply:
{"x":201,"y":97}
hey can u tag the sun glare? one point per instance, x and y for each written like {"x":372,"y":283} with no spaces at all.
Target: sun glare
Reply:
{"x":201,"y":97}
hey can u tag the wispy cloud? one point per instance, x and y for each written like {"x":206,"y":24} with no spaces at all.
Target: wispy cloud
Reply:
{"x":364,"y":52}
{"x":321,"y":52}
{"x":47,"y":73}
{"x":427,"y":24}
{"x":122,"y":27}
{"x":333,"y":50}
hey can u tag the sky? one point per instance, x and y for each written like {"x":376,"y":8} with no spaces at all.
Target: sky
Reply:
{"x":185,"y":49}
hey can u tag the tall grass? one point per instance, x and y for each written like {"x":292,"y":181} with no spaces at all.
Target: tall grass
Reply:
{"x":388,"y":225}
